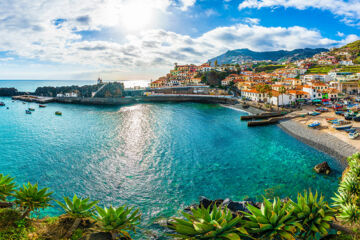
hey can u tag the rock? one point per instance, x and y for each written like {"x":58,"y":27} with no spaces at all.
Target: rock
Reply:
{"x":237,"y":206}
{"x":98,"y":236}
{"x":323,"y":168}
{"x":205,"y":202}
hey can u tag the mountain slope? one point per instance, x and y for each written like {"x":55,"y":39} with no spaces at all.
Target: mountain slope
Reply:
{"x":243,"y":55}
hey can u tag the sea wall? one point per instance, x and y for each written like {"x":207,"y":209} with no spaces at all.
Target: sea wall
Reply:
{"x":131,"y":100}
{"x":319,"y":140}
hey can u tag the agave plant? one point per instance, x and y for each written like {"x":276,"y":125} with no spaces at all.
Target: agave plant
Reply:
{"x":272,"y":221}
{"x":340,"y":199}
{"x":350,"y":185}
{"x":349,"y":213}
{"x":77,"y":208}
{"x":118,"y":221}
{"x":7,"y":186}
{"x":313,"y":214}
{"x":207,"y":223}
{"x":30,"y":198}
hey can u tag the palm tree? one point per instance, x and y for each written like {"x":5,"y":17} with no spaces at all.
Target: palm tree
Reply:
{"x":282,"y":91}
{"x":30,"y":198}
{"x":119,"y":220}
{"x":7,"y":187}
{"x":77,"y":209}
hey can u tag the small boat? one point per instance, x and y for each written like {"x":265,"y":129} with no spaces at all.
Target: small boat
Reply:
{"x":321,"y":109}
{"x":350,"y":130}
{"x":341,"y":125}
{"x":353,"y":135}
{"x":2,"y":104}
{"x":313,"y":113}
{"x":314,"y":124}
{"x":58,"y":113}
{"x":7,"y":107}
{"x":24,"y":102}
{"x":245,"y":106}
{"x":349,"y":116}
{"x":42,"y":106}
{"x":32,"y":109}
{"x":339,"y":112}
{"x":27,"y":111}
{"x":330,"y":119}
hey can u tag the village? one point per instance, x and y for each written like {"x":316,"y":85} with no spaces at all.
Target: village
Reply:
{"x":324,"y":77}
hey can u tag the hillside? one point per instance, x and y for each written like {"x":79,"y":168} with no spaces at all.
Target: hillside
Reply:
{"x":243,"y":55}
{"x":352,"y":48}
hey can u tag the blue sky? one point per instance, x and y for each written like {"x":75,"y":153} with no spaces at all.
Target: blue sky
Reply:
{"x":141,"y":39}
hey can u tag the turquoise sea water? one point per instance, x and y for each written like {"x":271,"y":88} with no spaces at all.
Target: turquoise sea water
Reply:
{"x":160,"y":157}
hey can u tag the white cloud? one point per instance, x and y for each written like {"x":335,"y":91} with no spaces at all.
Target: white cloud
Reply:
{"x":340,"y":34}
{"x":349,"y":10}
{"x":254,"y":21}
{"x":187,"y":3}
{"x":43,"y":31}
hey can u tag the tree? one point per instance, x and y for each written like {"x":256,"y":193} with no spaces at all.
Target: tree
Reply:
{"x":30,"y":198}
{"x":77,"y":208}
{"x":216,"y":63}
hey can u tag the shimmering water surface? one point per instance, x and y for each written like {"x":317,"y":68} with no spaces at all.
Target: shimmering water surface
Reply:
{"x":160,"y":157}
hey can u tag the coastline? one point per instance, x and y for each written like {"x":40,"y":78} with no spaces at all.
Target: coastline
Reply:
{"x":322,"y":141}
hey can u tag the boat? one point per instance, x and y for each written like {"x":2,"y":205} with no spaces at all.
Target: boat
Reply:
{"x":349,"y":116}
{"x":245,"y":106}
{"x":31,"y":109}
{"x":321,"y":109}
{"x":313,"y":113}
{"x":24,"y":102}
{"x":341,"y":125}
{"x":58,"y":113}
{"x":27,"y":111}
{"x":314,"y":124}
{"x":353,"y":135}
{"x":42,"y":106}
{"x":330,"y":119}
{"x":2,"y":104}
{"x":356,"y":118}
{"x":339,"y":112}
{"x":349,"y":130}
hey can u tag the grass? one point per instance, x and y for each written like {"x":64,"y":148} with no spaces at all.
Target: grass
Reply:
{"x":321,"y":69}
{"x":12,"y":227}
{"x":354,"y":69}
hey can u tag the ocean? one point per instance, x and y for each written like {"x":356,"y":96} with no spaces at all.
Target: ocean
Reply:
{"x":158,"y":157}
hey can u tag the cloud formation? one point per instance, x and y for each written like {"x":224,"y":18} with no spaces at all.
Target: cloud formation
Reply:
{"x":349,"y":10}
{"x":51,"y":31}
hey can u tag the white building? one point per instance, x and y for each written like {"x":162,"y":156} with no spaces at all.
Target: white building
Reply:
{"x":71,"y":94}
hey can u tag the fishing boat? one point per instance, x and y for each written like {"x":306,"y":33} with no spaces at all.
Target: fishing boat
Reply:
{"x":313,"y":113}
{"x":2,"y":104}
{"x":321,"y":109}
{"x":330,"y":119}
{"x":58,"y":113}
{"x":31,"y":109}
{"x":353,"y":135}
{"x":339,"y":112}
{"x":42,"y":106}
{"x":245,"y":106}
{"x":349,"y":130}
{"x":27,"y":112}
{"x":356,"y":118}
{"x":349,"y":116}
{"x":341,"y":125}
{"x":314,"y":124}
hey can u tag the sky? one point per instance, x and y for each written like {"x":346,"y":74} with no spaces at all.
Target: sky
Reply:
{"x":142,"y":39}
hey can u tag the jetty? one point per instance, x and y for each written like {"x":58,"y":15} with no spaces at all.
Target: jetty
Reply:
{"x":263,"y":115}
{"x":31,"y":98}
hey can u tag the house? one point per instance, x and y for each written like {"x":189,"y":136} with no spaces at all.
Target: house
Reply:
{"x":313,"y":94}
{"x":254,"y":95}
{"x":317,"y":77}
{"x":278,"y":99}
{"x":71,"y":94}
{"x":346,"y":62}
{"x":60,"y":95}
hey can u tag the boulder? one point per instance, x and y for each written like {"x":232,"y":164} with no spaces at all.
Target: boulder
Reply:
{"x":323,"y":168}
{"x":236,"y":206}
{"x":98,"y":236}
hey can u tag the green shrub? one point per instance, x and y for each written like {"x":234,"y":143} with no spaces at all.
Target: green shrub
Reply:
{"x":207,"y":223}
{"x":313,"y":214}
{"x":119,"y":220}
{"x":273,"y":221}
{"x":8,"y":217}
{"x":7,"y":186}
{"x":77,"y":207}
{"x":30,"y":198}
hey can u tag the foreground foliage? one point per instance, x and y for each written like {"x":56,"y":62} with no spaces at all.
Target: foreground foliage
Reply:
{"x":30,"y":198}
{"x":313,"y":214}
{"x":7,"y":187}
{"x":119,"y":220}
{"x":208,"y":223}
{"x":347,"y":199}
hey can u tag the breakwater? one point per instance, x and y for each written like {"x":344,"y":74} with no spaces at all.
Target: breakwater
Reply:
{"x":144,"y":99}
